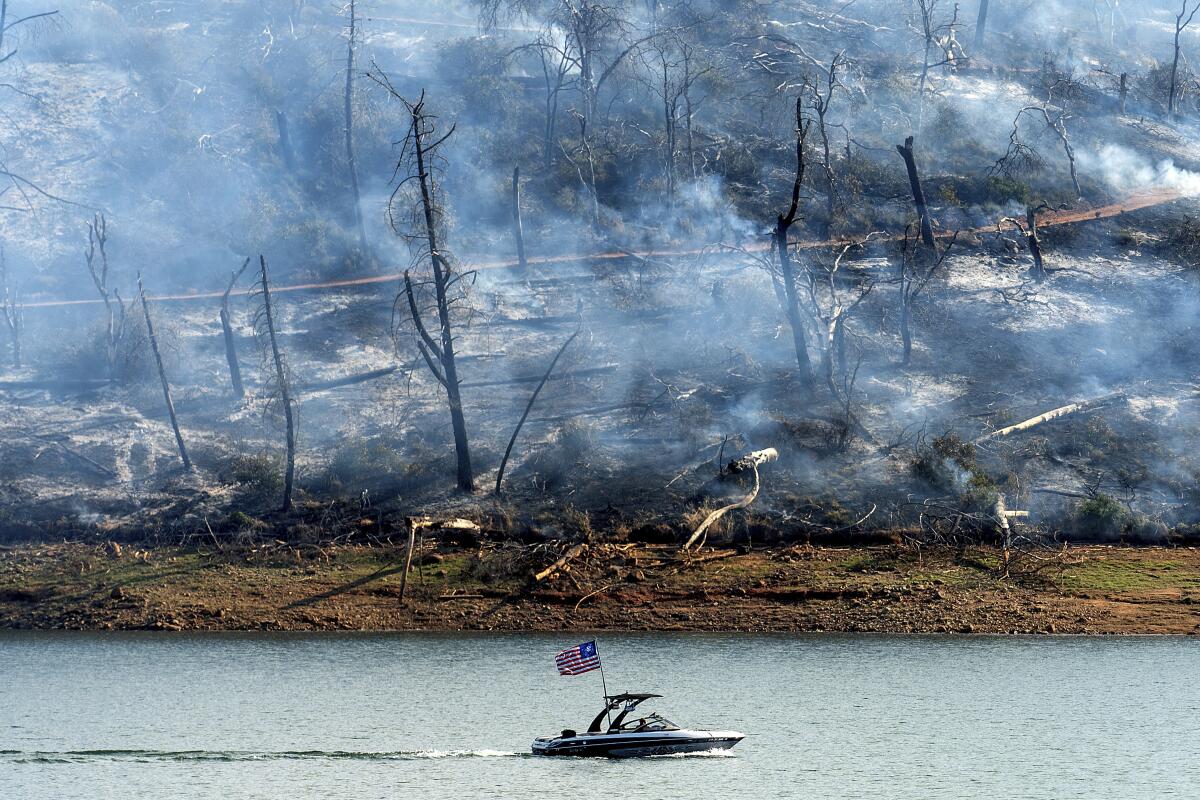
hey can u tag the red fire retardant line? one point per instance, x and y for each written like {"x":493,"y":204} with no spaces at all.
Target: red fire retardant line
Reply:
{"x":1137,"y":200}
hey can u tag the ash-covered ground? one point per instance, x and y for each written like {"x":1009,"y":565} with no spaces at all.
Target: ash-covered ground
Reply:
{"x":653,"y":180}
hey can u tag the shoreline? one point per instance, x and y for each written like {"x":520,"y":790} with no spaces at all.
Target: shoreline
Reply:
{"x":1095,"y":590}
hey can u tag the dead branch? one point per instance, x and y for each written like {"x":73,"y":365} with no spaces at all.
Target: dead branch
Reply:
{"x":573,"y":552}
{"x":528,"y":407}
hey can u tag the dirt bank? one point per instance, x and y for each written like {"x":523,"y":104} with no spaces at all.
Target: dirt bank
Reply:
{"x":1087,"y":590}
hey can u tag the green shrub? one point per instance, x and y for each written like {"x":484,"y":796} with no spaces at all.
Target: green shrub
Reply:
{"x":1101,"y":517}
{"x":260,"y":473}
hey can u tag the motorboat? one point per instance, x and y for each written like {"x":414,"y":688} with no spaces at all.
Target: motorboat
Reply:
{"x":627,"y":736}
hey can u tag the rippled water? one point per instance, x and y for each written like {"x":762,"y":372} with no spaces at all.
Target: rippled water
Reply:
{"x":451,"y":716}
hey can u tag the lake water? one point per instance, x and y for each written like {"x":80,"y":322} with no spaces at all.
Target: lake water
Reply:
{"x":451,"y":716}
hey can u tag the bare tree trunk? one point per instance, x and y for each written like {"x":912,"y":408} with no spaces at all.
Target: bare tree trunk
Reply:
{"x":10,"y":303}
{"x":408,"y":554}
{"x":1124,"y":91}
{"x":1035,"y":244}
{"x":13,"y":318}
{"x":691,"y":144}
{"x":905,"y":331}
{"x":1182,"y":20}
{"x":231,"y":356}
{"x":914,"y":180}
{"x":1174,"y":74}
{"x":795,"y":322}
{"x":351,"y":164}
{"x":981,"y":24}
{"x":97,"y":243}
{"x":162,"y":375}
{"x":285,"y":397}
{"x":518,"y":228}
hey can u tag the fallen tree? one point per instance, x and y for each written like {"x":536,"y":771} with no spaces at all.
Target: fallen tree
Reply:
{"x":1061,"y":411}
{"x":746,"y":462}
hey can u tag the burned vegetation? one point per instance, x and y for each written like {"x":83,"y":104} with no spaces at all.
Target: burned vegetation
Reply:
{"x":547,"y":279}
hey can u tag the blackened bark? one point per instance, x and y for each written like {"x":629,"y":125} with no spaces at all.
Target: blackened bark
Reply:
{"x":285,"y":396}
{"x":1124,"y":90}
{"x":786,"y":267}
{"x":914,"y":180}
{"x":441,"y":281}
{"x":162,"y":375}
{"x":1035,"y":244}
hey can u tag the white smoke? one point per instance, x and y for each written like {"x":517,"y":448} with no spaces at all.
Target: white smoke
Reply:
{"x":1126,"y":171}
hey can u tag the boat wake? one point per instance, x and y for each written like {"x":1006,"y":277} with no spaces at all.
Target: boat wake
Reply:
{"x":91,"y":756}
{"x":714,"y":753}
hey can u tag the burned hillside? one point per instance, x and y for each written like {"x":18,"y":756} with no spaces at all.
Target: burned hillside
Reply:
{"x":943,"y":263}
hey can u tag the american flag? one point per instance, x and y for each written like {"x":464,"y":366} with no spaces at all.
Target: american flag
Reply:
{"x":578,"y":659}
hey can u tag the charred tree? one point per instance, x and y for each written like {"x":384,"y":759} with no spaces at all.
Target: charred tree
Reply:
{"x":787,"y":270}
{"x":285,"y":140}
{"x":231,"y":356}
{"x":1035,"y":244}
{"x":1020,"y":155}
{"x":266,"y":319}
{"x":114,"y":307}
{"x":917,"y":267}
{"x":821,"y":93}
{"x":162,"y":376}
{"x":351,"y":163}
{"x":832,"y":308}
{"x":588,"y":181}
{"x":6,"y":25}
{"x":918,"y":193}
{"x":528,"y":407}
{"x":981,"y":24}
{"x":12,"y":310}
{"x":671,"y":73}
{"x":1123,"y":91}
{"x":935,"y":35}
{"x":1182,"y":20}
{"x":1029,"y":229}
{"x":518,"y":228}
{"x":419,"y":159}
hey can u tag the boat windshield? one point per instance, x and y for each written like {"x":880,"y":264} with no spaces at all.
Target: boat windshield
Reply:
{"x":653,"y":722}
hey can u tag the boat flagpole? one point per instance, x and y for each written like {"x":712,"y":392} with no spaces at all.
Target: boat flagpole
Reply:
{"x":604,"y":686}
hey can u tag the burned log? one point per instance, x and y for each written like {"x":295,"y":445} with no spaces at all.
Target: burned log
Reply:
{"x":1061,"y":411}
{"x":573,"y":552}
{"x":751,"y":461}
